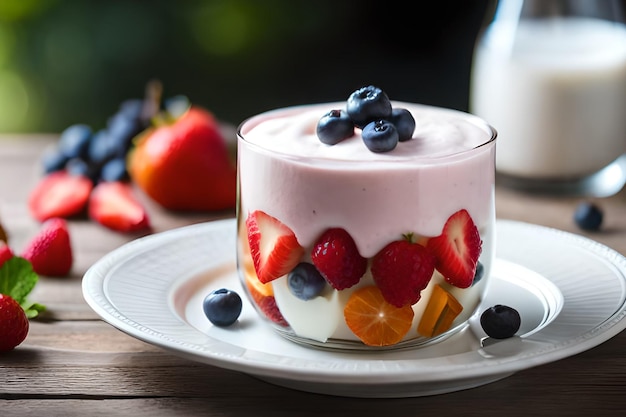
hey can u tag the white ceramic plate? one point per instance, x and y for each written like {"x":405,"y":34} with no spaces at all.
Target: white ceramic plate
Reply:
{"x":570,"y":292}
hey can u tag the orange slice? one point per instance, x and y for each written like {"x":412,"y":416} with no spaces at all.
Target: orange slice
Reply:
{"x":374,"y":320}
{"x":440,"y":312}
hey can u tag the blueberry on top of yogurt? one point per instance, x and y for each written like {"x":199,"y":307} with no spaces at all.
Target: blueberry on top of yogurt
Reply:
{"x":368,"y":104}
{"x":369,"y":109}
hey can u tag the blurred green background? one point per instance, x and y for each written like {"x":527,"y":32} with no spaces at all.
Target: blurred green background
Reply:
{"x":75,"y":61}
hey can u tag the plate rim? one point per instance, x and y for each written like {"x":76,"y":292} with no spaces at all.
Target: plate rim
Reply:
{"x":93,"y":292}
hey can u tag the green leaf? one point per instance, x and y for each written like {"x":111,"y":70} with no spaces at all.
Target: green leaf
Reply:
{"x":32,"y":310}
{"x":17,"y":279}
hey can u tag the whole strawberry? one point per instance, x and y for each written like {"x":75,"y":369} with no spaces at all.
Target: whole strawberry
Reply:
{"x":337,"y":258}
{"x":13,"y":323}
{"x":401,"y":270}
{"x":50,"y":251}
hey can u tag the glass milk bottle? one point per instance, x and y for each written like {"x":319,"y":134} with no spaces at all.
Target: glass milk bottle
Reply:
{"x":550,"y":76}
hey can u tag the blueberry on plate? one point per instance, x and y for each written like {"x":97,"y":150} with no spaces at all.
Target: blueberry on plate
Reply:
{"x":500,"y":321}
{"x":305,"y":281}
{"x":588,"y":216}
{"x":368,"y":104}
{"x":380,"y":136}
{"x":404,"y":122}
{"x":222,"y":307}
{"x":334,"y":126}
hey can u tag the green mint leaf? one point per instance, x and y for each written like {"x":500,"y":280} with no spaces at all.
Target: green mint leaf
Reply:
{"x":17,"y":278}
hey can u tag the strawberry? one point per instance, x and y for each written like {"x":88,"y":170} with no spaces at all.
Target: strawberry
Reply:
{"x":50,"y":251}
{"x":401,"y":270}
{"x":13,"y":323}
{"x":267,"y":305}
{"x":114,"y":205}
{"x":186,"y":164}
{"x":59,"y":194}
{"x":457,"y":249}
{"x":5,"y":253}
{"x":273,"y":246}
{"x":337,"y":258}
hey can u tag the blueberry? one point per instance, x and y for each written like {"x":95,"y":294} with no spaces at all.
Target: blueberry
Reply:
{"x":305,"y":281}
{"x":500,"y":321}
{"x":334,"y":126}
{"x":222,"y":307}
{"x":380,"y":136}
{"x":100,"y":148}
{"x":74,"y":140}
{"x":368,"y":104}
{"x":53,"y":160}
{"x":404,"y":122}
{"x":588,"y":216}
{"x":131,"y":109}
{"x":115,"y":170}
{"x":79,"y":166}
{"x":121,"y":129}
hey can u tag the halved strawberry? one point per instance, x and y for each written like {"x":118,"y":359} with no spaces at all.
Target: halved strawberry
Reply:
{"x":273,"y":246}
{"x":401,"y":270}
{"x":113,"y":205}
{"x":59,"y":194}
{"x":457,"y":249}
{"x":50,"y":250}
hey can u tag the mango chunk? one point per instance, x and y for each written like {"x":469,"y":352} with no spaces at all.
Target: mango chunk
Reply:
{"x":440,"y":312}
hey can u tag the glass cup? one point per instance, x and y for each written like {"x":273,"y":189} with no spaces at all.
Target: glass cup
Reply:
{"x":293,"y":186}
{"x":551,"y":75}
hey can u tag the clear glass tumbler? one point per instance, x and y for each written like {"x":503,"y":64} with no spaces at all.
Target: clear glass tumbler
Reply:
{"x":298,"y":197}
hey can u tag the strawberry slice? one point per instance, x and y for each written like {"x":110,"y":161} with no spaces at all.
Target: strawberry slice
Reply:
{"x":50,"y":250}
{"x":59,"y":194}
{"x":113,"y":205}
{"x":401,"y":270}
{"x":457,"y":249}
{"x":273,"y":246}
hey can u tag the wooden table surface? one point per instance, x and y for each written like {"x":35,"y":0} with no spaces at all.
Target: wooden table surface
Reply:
{"x":74,"y":364}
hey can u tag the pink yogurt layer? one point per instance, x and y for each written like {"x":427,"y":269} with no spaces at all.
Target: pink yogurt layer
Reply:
{"x":285,"y":171}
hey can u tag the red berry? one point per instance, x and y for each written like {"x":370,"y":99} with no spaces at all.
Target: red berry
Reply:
{"x":50,"y":251}
{"x":274,"y":248}
{"x":401,"y":270}
{"x":270,"y":310}
{"x":13,"y":323}
{"x":337,"y":258}
{"x":59,"y":194}
{"x":114,"y":205}
{"x":457,"y":249}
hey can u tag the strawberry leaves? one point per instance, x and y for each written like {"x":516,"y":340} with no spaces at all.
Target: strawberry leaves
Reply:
{"x":17,"y":280}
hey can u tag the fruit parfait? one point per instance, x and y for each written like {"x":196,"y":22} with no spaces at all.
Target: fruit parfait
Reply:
{"x":367,"y":223}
